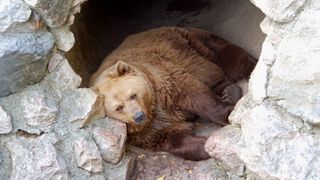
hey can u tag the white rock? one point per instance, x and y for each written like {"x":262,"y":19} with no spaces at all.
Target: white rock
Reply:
{"x":5,"y":122}
{"x":221,"y":146}
{"x":36,"y":110}
{"x":64,"y":38}
{"x":295,"y":79}
{"x":81,"y":105}
{"x":122,"y":170}
{"x":87,"y":155}
{"x":280,"y":10}
{"x":53,"y":13}
{"x":111,"y":139}
{"x":36,"y":158}
{"x":13,"y":11}
{"x":54,"y":61}
{"x":62,"y":78}
{"x":274,"y":146}
{"x":257,"y":82}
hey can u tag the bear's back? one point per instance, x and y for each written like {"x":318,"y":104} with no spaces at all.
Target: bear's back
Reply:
{"x":169,"y":50}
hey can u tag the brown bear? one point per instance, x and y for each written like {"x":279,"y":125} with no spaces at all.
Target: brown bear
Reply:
{"x":158,"y":80}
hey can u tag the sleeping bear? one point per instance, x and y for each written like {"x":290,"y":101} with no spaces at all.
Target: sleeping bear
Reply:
{"x":159,"y":80}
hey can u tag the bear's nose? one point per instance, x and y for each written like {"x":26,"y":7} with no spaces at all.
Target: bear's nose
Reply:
{"x":138,"y":117}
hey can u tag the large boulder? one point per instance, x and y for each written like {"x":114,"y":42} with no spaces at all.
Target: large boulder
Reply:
{"x":279,"y":118}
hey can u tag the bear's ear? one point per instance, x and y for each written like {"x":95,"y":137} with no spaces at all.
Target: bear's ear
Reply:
{"x":120,"y":68}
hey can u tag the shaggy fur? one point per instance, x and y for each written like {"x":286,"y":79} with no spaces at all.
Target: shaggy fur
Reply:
{"x":171,"y":74}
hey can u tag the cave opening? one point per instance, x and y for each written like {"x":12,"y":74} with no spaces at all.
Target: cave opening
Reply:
{"x":103,"y":25}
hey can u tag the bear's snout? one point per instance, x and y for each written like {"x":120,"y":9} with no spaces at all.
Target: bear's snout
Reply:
{"x":139,"y":116}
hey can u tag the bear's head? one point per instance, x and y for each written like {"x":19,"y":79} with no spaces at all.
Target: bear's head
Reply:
{"x":128,"y":95}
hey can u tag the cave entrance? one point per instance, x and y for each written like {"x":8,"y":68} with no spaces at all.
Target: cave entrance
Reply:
{"x":102,"y":25}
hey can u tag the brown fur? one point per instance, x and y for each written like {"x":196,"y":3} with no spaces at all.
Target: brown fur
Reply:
{"x":170,"y":73}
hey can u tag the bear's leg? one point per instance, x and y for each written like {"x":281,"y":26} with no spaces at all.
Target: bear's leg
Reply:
{"x":186,"y":146}
{"x":197,"y":98}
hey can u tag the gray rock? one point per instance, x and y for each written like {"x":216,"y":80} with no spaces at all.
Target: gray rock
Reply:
{"x":221,"y":146}
{"x":273,"y":145}
{"x":280,"y":10}
{"x":111,"y":138}
{"x":5,"y":122}
{"x":64,"y":38}
{"x":12,"y":12}
{"x":54,"y":61}
{"x":62,"y":78}
{"x":295,"y":79}
{"x":23,"y":59}
{"x":53,"y":13}
{"x":36,"y":110}
{"x":81,"y":105}
{"x":87,"y":155}
{"x":122,"y":170}
{"x":36,"y":158}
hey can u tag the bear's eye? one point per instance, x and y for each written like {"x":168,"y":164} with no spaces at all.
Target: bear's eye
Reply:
{"x":133,"y":96}
{"x":119,"y":108}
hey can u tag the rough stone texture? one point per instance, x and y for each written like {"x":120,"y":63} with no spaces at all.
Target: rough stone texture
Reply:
{"x":36,"y":109}
{"x":63,"y":37}
{"x":53,"y":13}
{"x":87,"y":154}
{"x":279,"y":117}
{"x":36,"y":158}
{"x":280,"y":10}
{"x":13,"y":11}
{"x":62,"y":78}
{"x":221,"y":146}
{"x":296,"y":73}
{"x":122,"y":170}
{"x":23,"y":59}
{"x":110,"y":138}
{"x":81,"y":105}
{"x":273,"y":145}
{"x":5,"y":122}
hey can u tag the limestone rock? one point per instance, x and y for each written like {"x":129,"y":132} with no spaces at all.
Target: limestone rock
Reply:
{"x":23,"y":59}
{"x":62,"y":78}
{"x":81,"y":105}
{"x":53,"y":13}
{"x":36,"y":109}
{"x":276,"y":146}
{"x":64,"y":38}
{"x":13,"y":11}
{"x":221,"y":146}
{"x":111,"y":138}
{"x":87,"y":155}
{"x":280,"y":10}
{"x":122,"y":170}
{"x":295,"y":79}
{"x":36,"y":158}
{"x":5,"y":122}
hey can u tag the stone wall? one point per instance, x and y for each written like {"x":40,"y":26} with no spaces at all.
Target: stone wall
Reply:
{"x":274,"y":129}
{"x":42,"y":108}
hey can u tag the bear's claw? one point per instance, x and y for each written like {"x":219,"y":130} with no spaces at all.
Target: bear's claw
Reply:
{"x":232,"y":94}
